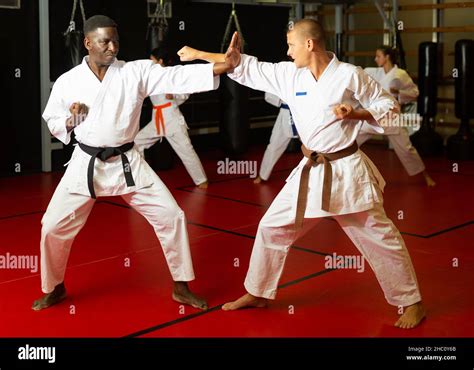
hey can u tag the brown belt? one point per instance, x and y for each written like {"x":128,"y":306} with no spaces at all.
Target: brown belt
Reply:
{"x":315,"y":159}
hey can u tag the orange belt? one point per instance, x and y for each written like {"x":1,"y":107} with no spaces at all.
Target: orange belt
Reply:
{"x":159,"y":120}
{"x":315,"y":159}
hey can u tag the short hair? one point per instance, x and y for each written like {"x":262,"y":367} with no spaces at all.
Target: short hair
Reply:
{"x":391,"y":52}
{"x":310,"y":29}
{"x":98,"y":21}
{"x":163,"y":52}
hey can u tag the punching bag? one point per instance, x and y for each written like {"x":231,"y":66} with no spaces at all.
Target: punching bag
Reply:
{"x":74,"y":38}
{"x":426,"y":140}
{"x":155,"y":35}
{"x":73,"y":41}
{"x":234,"y":123}
{"x":157,"y":28}
{"x":160,"y":156}
{"x":75,"y":51}
{"x":461,"y":145}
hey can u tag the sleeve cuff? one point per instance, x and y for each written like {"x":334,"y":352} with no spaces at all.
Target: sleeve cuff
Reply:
{"x":215,"y":80}
{"x":380,"y":121}
{"x":60,"y":132}
{"x":239,"y":70}
{"x":64,"y":136}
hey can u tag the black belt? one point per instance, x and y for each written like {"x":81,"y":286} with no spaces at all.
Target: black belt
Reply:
{"x":104,"y":154}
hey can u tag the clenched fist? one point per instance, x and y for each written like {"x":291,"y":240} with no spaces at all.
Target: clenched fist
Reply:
{"x":187,"y":54}
{"x":79,"y":113}
{"x":343,"y":111}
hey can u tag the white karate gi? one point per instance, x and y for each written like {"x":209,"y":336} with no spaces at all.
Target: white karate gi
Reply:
{"x":113,"y":120}
{"x":176,"y":132}
{"x":282,"y":133}
{"x":356,"y":200}
{"x":398,"y":136}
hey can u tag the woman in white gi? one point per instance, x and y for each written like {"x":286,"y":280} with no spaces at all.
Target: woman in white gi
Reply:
{"x":283,"y":131}
{"x":101,"y":101}
{"x":168,"y":121}
{"x":328,"y":100}
{"x":396,"y":81}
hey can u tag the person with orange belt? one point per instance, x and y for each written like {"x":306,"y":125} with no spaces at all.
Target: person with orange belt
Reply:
{"x":167,"y":121}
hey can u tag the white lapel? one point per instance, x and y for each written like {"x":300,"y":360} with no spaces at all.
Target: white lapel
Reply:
{"x":96,"y":107}
{"x":322,"y":87}
{"x":104,"y":85}
{"x":388,"y":77}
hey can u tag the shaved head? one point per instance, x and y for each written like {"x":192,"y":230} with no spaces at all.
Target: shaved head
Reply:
{"x":305,"y":39}
{"x":309,"y":29}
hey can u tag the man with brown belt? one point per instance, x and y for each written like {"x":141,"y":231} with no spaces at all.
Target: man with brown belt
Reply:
{"x":328,"y":100}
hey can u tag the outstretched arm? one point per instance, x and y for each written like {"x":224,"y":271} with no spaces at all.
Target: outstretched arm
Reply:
{"x":223,"y":63}
{"x":274,"y":78}
{"x":188,"y":54}
{"x":191,"y":78}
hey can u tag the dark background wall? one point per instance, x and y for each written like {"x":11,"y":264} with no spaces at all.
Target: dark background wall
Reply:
{"x":204,"y":28}
{"x":20,"y":146}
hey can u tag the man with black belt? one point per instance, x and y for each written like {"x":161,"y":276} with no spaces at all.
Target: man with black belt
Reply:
{"x":329,"y":100}
{"x":101,"y":100}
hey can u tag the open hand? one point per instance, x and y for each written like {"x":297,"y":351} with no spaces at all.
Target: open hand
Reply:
{"x":232,"y":56}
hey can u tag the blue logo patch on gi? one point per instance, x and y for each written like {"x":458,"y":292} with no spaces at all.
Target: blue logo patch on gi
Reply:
{"x":300,"y":93}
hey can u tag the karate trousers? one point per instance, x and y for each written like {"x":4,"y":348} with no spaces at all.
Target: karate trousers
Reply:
{"x":279,"y":140}
{"x":371,"y":231}
{"x":181,"y":144}
{"x":67,"y":213}
{"x":404,"y":149}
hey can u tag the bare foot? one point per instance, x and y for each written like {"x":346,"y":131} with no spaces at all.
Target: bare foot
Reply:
{"x":429,"y":181}
{"x":246,"y":300}
{"x":56,"y":296}
{"x":412,"y":316}
{"x":258,"y":180}
{"x":182,"y":294}
{"x":203,"y":185}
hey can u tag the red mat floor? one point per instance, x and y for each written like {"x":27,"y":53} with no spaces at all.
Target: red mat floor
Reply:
{"x":107,"y":299}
